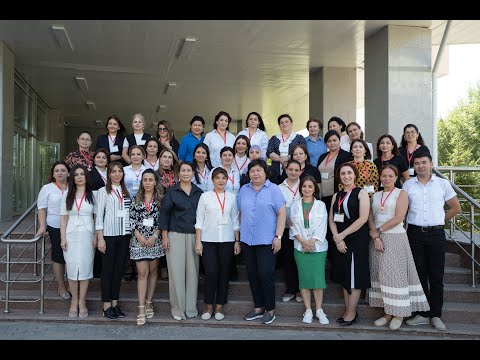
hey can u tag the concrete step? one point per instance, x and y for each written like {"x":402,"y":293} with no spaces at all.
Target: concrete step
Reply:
{"x":468,"y":313}
{"x":282,"y":322}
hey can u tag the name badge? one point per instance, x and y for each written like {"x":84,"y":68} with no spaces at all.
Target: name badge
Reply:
{"x":369,"y":189}
{"x":381,"y":218}
{"x":141,"y":142}
{"x":114,"y":148}
{"x":223,"y":220}
{"x":411,"y":171}
{"x":148,"y":222}
{"x":325,"y":175}
{"x":121,"y":213}
{"x":136,"y":185}
{"x":283,"y":149}
{"x":338,"y":217}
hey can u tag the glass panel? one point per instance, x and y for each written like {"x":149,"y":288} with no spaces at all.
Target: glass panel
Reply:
{"x":49,"y":153}
{"x":42,"y":129}
{"x":32,"y":117}
{"x":19,"y":185}
{"x":20,"y":107}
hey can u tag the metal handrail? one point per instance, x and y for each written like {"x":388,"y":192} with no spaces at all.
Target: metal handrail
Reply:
{"x":470,"y":220}
{"x":34,"y":260}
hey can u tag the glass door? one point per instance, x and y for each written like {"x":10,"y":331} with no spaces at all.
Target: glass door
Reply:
{"x":20,"y":200}
{"x":48,"y":154}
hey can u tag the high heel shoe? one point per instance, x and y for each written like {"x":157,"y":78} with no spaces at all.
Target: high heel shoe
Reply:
{"x":149,"y":310}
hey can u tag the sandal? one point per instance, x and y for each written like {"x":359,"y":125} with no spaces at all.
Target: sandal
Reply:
{"x":65,"y":296}
{"x":149,"y":310}
{"x":141,"y":319}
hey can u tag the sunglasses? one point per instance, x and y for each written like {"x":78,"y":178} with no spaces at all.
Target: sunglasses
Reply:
{"x":162,"y":129}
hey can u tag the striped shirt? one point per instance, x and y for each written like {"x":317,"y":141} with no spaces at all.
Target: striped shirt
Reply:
{"x":108,"y":211}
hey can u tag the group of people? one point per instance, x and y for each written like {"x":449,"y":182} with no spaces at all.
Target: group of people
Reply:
{"x":163,"y":204}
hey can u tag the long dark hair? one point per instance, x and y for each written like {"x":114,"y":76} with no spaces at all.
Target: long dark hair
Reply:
{"x":108,"y":186}
{"x":121,"y":128}
{"x":316,"y":191}
{"x":158,"y":190}
{"x":247,"y":140}
{"x":261,"y":125}
{"x":60,"y":162}
{"x":218,"y":117}
{"x":394,"y":143}
{"x":420,"y":138}
{"x":72,"y":187}
{"x":208,"y":164}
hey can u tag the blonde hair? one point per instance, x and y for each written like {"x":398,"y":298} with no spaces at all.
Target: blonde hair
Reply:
{"x":140,"y":116}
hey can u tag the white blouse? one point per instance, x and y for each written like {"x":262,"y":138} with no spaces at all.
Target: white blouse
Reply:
{"x":233,"y":181}
{"x":241,"y":164}
{"x":215,"y":143}
{"x":203,"y":177}
{"x":259,"y":138}
{"x":82,"y":217}
{"x":133,"y":178}
{"x":318,"y":225}
{"x":290,"y":195}
{"x":113,"y":217}
{"x":215,"y":226}
{"x":50,"y":198}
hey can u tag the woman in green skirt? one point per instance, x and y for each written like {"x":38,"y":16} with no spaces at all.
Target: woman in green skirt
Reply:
{"x":309,"y":217}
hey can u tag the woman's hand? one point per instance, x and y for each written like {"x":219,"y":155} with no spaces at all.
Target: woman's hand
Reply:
{"x":341,"y":246}
{"x":64,"y":245}
{"x":198,"y":248}
{"x":165,"y":243}
{"x":102,"y":245}
{"x":41,"y":231}
{"x":378,"y":244}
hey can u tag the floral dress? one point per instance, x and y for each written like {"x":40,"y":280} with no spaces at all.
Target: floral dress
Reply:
{"x":146,"y":222}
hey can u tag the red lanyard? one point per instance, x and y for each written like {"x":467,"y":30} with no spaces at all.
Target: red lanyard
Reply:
{"x":327,"y":160}
{"x":59,"y":188}
{"x":306,"y":215}
{"x":81,"y":201}
{"x":411,"y":155}
{"x":149,"y":205}
{"x":223,"y":137}
{"x":381,"y":158}
{"x":120,"y":197}
{"x":340,"y":200}
{"x":294,"y":192}
{"x":204,"y":173}
{"x":152,"y":165}
{"x":365,"y":171}
{"x":103,"y":177}
{"x":87,"y":159}
{"x":241,"y":167}
{"x":222,"y":206}
{"x":382,"y":203}
{"x":232,"y":179}
{"x":112,"y":139}
{"x":283,"y":139}
{"x":137,"y":174}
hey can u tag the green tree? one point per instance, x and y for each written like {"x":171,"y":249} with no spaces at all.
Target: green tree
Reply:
{"x":459,"y":140}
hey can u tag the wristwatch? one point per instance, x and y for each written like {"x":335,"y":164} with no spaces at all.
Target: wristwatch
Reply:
{"x":279,"y":237}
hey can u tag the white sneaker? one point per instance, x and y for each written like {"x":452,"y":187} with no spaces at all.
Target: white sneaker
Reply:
{"x":322,"y":317}
{"x":206,"y":315}
{"x":298,"y":298}
{"x":287,"y":297}
{"x":438,"y":324}
{"x":308,"y":316}
{"x":418,"y":320}
{"x":219,"y":316}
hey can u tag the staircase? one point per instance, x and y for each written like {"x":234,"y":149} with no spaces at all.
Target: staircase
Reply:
{"x":461,"y":311}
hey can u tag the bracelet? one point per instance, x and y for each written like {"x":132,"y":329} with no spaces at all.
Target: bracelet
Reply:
{"x":155,"y":235}
{"x":237,"y":241}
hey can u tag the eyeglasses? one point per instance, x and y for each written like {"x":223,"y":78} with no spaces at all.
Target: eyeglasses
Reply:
{"x":162,"y":129}
{"x":84,"y":139}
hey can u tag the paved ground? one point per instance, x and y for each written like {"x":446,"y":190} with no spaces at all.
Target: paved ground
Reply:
{"x":26,"y":330}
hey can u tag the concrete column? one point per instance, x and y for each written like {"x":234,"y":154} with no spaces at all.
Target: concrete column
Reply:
{"x":333,"y":92}
{"x":398,"y":82}
{"x":6,"y":130}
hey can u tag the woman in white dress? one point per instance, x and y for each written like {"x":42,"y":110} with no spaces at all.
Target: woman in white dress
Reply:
{"x":78,"y":240}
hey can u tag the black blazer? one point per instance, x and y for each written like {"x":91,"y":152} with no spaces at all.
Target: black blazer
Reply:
{"x":174,"y":143}
{"x":97,"y":180}
{"x":342,"y":157}
{"x":131,"y":139}
{"x":104,"y":142}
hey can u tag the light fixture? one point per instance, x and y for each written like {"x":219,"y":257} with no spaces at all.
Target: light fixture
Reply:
{"x":160,"y":108}
{"x":170,"y":88}
{"x":62,"y":37}
{"x":91,"y":106}
{"x":82,"y":83}
{"x":185,"y":48}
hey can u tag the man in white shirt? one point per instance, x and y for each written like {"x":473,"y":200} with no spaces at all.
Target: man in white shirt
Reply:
{"x":426,"y":218}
